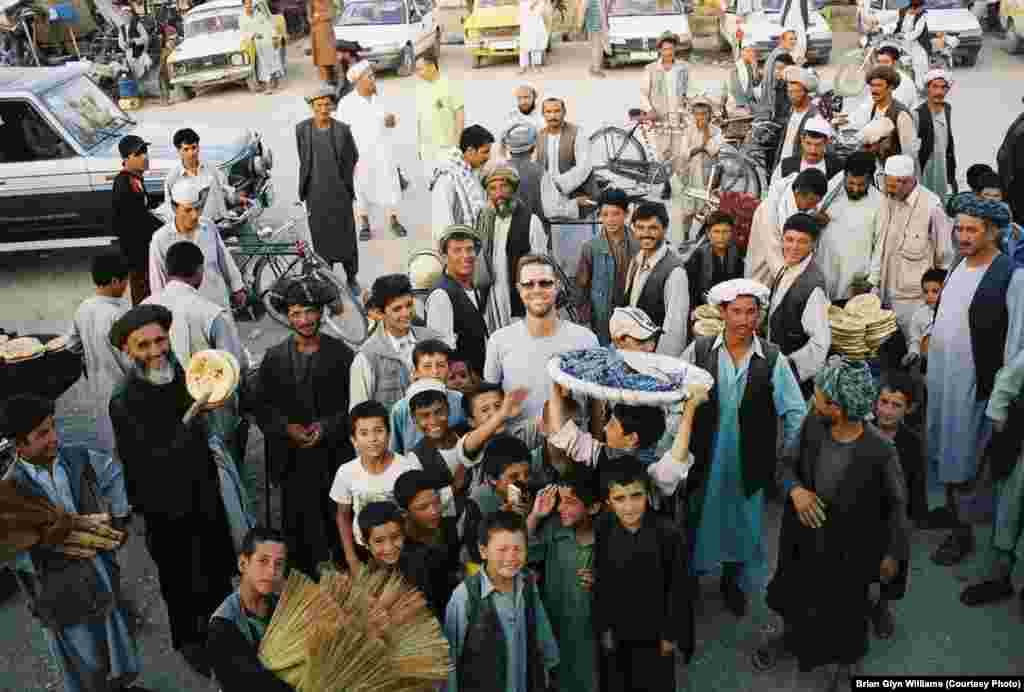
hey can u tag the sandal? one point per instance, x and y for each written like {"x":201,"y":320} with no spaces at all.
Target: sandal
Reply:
{"x":767,"y":657}
{"x":881,"y":620}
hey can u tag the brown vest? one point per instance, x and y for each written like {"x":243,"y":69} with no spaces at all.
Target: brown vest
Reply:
{"x":566,"y":148}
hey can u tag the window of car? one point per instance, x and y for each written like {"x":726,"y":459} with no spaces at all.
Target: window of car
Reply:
{"x":373,"y":13}
{"x":496,"y":3}
{"x":85,"y":111}
{"x":645,"y":8}
{"x":26,"y":136}
{"x":207,"y":23}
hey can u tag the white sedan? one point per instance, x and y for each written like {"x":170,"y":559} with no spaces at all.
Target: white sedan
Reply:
{"x":763,"y":28}
{"x":635,"y":25}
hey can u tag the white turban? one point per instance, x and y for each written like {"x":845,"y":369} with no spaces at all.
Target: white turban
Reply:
{"x":186,"y":190}
{"x":358,"y":70}
{"x":728,"y":291}
{"x":877,"y":130}
{"x":819,"y":125}
{"x":899,"y":166}
{"x":801,"y":76}
{"x":938,"y":74}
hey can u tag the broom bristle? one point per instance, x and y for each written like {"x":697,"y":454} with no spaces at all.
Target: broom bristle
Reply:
{"x":284,"y":643}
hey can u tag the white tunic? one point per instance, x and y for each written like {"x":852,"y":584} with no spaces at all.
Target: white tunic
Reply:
{"x":845,"y":246}
{"x":376,"y":174}
{"x":533,"y":34}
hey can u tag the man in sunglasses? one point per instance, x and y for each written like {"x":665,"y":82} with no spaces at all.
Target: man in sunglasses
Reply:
{"x":517,"y":355}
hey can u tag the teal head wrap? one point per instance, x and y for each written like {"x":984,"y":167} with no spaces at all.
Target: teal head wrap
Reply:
{"x":849,"y":384}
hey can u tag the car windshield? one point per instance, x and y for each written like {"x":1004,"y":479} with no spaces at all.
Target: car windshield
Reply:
{"x":373,"y":13}
{"x":635,"y":8}
{"x":777,"y":5}
{"x":206,"y":24}
{"x":496,"y":3}
{"x":943,"y":4}
{"x":85,"y":111}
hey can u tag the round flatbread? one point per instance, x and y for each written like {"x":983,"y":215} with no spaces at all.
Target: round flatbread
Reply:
{"x":864,"y":304}
{"x":58,"y":343}
{"x":214,"y":372}
{"x":708,"y":327}
{"x":708,"y":312}
{"x":22,"y":348}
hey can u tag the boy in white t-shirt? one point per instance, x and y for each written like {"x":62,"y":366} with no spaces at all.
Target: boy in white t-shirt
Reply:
{"x":370,"y":477}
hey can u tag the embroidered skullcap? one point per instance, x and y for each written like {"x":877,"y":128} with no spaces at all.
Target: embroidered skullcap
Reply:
{"x":877,"y":130}
{"x":938,"y":74}
{"x":848,"y":383}
{"x":899,"y":166}
{"x":137,"y":318}
{"x":801,"y":76}
{"x":23,"y":413}
{"x":615,"y":197}
{"x":819,"y":125}
{"x":804,"y":223}
{"x":358,"y":70}
{"x":502,"y":171}
{"x":728,"y":291}
{"x":187,"y":191}
{"x":377,"y":514}
{"x":977,"y":206}
{"x":410,"y":484}
{"x":632,"y":322}
{"x":324,"y":91}
{"x":520,"y":138}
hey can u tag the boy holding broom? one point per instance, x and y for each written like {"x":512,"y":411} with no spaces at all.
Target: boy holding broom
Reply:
{"x":238,"y":625}
{"x":73,"y":587}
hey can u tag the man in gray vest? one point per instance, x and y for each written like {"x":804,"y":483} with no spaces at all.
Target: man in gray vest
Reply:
{"x":563,"y":149}
{"x":657,"y":282}
{"x":734,"y":442}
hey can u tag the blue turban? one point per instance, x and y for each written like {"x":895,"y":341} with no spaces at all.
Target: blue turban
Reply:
{"x":849,"y":384}
{"x":974,"y":205}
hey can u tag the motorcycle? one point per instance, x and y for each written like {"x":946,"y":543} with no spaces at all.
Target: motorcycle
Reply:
{"x":20,"y":49}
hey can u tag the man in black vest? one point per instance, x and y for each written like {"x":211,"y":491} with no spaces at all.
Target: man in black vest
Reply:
{"x":835,"y":479}
{"x":882,"y":81}
{"x":800,"y":84}
{"x":734,"y":442}
{"x":455,"y":308}
{"x":936,"y":132}
{"x":814,"y":142}
{"x":798,"y":308}
{"x":1010,"y":160}
{"x":657,"y":282}
{"x":967,"y":348}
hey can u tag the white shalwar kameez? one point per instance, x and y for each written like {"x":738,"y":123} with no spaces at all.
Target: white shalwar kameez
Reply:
{"x":846,"y":243}
{"x":533,"y":34}
{"x":268,"y":61}
{"x":376,"y":175}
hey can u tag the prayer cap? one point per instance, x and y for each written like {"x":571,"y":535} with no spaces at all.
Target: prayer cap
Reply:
{"x":977,"y":206}
{"x":410,"y":484}
{"x":23,"y":413}
{"x":615,"y":197}
{"x":848,"y":383}
{"x":819,"y":125}
{"x":187,"y":191}
{"x":427,"y":384}
{"x":938,"y":74}
{"x":520,"y":138}
{"x":131,"y":144}
{"x":324,"y":91}
{"x":804,"y":223}
{"x":632,"y":322}
{"x":899,"y":166}
{"x":137,"y":318}
{"x":728,"y":291}
{"x":356,"y":72}
{"x":801,"y":76}
{"x":502,"y":171}
{"x":377,"y":514}
{"x":877,"y":130}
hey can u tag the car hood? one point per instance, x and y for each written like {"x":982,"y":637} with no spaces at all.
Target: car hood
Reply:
{"x":201,"y":46}
{"x":957,"y":20}
{"x":768,"y":26}
{"x":371,"y":36}
{"x":493,"y":17}
{"x":218,"y":146}
{"x":647,"y":26}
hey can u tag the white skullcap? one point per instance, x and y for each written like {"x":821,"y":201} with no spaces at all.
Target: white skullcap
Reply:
{"x":820,"y":125}
{"x":358,"y":70}
{"x":899,"y":166}
{"x":632,"y":322}
{"x":728,"y":291}
{"x":425,"y":385}
{"x":938,"y":74}
{"x":801,"y":76}
{"x":877,"y":130}
{"x":527,"y":85}
{"x":186,"y":190}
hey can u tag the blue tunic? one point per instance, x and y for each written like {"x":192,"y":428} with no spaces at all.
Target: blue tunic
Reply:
{"x":731,"y":524}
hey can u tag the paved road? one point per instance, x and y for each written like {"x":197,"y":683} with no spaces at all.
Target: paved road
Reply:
{"x":935,"y":634}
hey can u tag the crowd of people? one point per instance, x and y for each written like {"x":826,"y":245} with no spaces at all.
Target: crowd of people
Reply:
{"x":441,"y":447}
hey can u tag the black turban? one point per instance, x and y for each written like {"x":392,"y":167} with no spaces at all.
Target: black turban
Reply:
{"x":377,"y":514}
{"x":137,"y":318}
{"x":805,"y":223}
{"x":23,"y":413}
{"x":410,"y":484}
{"x":616,"y":198}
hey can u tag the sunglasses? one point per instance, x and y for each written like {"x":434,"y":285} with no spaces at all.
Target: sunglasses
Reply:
{"x":546,"y":284}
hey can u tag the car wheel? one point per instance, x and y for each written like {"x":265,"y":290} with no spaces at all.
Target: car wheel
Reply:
{"x":284,"y":61}
{"x":405,"y":68}
{"x":478,"y":62}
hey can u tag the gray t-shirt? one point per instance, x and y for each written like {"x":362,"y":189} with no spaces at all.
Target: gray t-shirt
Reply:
{"x":516,"y":359}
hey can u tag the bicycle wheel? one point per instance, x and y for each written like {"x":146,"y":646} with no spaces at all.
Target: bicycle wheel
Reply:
{"x":737,"y":174}
{"x":266,"y":275}
{"x":565,"y":302}
{"x":614,"y":152}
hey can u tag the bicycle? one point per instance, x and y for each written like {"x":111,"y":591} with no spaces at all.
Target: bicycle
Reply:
{"x":616,"y":152}
{"x":275,"y":259}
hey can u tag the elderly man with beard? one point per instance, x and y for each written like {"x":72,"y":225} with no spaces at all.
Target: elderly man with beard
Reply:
{"x":876,"y":140}
{"x":968,"y":346}
{"x":846,"y":244}
{"x":515,"y":352}
{"x":222,"y":281}
{"x":527,"y":110}
{"x":303,"y":414}
{"x":912,"y":235}
{"x":456,"y":306}
{"x":882,"y":81}
{"x":734,"y":441}
{"x":507,"y":230}
{"x":837,"y":474}
{"x":563,"y":149}
{"x":171,"y":478}
{"x":803,"y":195}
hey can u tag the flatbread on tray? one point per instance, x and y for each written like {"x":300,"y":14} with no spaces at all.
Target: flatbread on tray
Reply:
{"x":22,"y":348}
{"x":212,"y":371}
{"x":58,"y":343}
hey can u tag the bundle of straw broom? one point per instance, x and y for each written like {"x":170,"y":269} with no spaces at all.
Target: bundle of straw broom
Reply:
{"x":29,"y":521}
{"x":372,"y":631}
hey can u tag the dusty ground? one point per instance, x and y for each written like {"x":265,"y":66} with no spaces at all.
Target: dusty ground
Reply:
{"x":39,"y":292}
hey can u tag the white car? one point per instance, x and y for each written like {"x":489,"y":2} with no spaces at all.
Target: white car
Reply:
{"x":392,"y":33}
{"x":764,"y":27}
{"x":635,"y":25}
{"x":949,"y":17}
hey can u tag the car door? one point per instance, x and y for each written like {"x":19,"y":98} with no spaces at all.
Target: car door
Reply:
{"x":43,"y":180}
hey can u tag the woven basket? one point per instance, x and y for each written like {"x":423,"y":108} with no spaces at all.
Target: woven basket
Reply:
{"x":642,"y":362}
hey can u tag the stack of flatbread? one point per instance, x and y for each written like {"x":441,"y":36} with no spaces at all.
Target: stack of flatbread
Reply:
{"x":862,"y":327}
{"x":21,"y":349}
{"x":848,"y":333}
{"x":213,"y":371}
{"x":57,"y":343}
{"x":709,"y":321}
